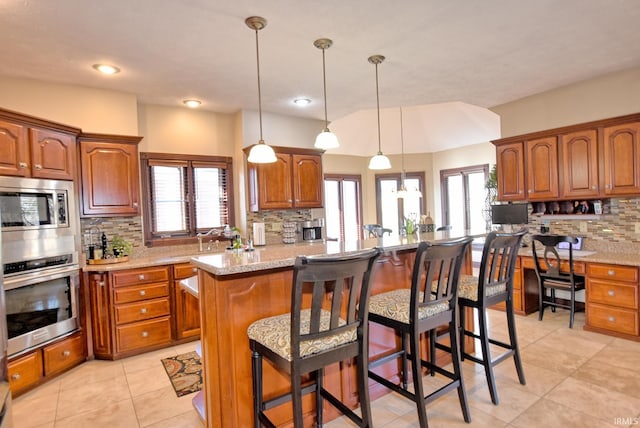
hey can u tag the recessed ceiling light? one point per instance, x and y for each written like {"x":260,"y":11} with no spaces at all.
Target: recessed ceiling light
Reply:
{"x":106,"y":68}
{"x":192,"y":103}
{"x":302,"y":102}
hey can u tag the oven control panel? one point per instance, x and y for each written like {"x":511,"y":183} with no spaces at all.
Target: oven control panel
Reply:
{"x":29,"y":265}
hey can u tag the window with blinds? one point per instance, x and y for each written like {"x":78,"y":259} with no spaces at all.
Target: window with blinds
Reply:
{"x":185,"y":195}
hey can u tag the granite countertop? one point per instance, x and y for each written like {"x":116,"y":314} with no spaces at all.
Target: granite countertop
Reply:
{"x":625,"y":259}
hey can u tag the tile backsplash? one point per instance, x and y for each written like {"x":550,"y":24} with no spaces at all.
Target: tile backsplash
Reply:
{"x":273,"y":222}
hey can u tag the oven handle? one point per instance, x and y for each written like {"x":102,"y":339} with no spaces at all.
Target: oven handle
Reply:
{"x":36,"y":278}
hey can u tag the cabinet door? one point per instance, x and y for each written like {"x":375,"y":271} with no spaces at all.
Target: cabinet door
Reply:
{"x":621,"y":159}
{"x":307,"y":181}
{"x":579,"y":164}
{"x":14,"y":149}
{"x":64,"y":354}
{"x":510,"y":169}
{"x":542,"y":168}
{"x":110,"y":178}
{"x":53,"y":154}
{"x":100,"y":317}
{"x":274,"y":183}
{"x":25,"y":372}
{"x":187,"y":313}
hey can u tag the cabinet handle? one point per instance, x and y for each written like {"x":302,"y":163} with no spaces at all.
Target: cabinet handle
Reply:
{"x":22,"y":165}
{"x":38,"y":166}
{"x":141,"y":277}
{"x":612,"y":319}
{"x":145,"y":334}
{"x":611,"y":272}
{"x":611,"y":293}
{"x":15,"y":376}
{"x":135,"y":204}
{"x":608,"y":186}
{"x":66,"y":353}
{"x":143,"y":292}
{"x":194,"y":270}
{"x":143,"y":310}
{"x":101,"y":283}
{"x":289,"y":200}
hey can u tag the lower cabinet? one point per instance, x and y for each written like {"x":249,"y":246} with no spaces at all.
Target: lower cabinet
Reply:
{"x":29,"y":370}
{"x":138,"y":310}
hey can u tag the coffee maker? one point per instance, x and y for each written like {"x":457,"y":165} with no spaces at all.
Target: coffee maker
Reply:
{"x":312,"y":230}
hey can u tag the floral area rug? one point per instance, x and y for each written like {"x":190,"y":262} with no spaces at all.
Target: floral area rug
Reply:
{"x":185,"y":372}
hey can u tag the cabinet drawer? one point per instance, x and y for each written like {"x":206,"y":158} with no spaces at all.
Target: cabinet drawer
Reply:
{"x":612,"y":293}
{"x":143,"y":334}
{"x":183,"y":271}
{"x":578,"y":267}
{"x":140,"y":276}
{"x":615,"y":272}
{"x":611,"y":318}
{"x":141,"y":292}
{"x":25,"y":371}
{"x":64,"y":354}
{"x":142,"y":310}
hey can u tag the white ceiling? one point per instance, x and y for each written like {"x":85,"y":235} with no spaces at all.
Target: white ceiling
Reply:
{"x":452,"y":52}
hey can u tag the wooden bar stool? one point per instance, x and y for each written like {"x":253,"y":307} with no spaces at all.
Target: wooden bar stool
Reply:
{"x":494,"y":285}
{"x":429,"y":303}
{"x":329,"y":329}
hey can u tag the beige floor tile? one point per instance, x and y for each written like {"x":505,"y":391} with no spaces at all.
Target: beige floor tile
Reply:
{"x":161,"y":404}
{"x":185,"y":347}
{"x":514,"y":399}
{"x":549,"y":358}
{"x":120,"y":414}
{"x":571,"y":342}
{"x":183,"y":420}
{"x":594,"y":400}
{"x":92,"y":396}
{"x":91,"y":372}
{"x":44,"y":399}
{"x":144,"y":361}
{"x":143,"y":381}
{"x":547,"y":413}
{"x":539,"y":381}
{"x":611,"y":377}
{"x":395,"y":403}
{"x":621,"y":353}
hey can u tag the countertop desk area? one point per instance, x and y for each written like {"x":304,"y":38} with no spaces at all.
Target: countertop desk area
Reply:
{"x":239,"y":288}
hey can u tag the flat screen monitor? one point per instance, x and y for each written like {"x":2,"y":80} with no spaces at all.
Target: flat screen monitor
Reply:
{"x":510,"y":214}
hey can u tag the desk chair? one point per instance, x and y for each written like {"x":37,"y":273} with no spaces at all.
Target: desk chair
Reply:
{"x":548,"y":270}
{"x":493,"y":285}
{"x":328,"y":329}
{"x":429,"y":303}
{"x":375,"y":230}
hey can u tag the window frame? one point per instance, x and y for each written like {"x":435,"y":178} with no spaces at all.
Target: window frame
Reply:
{"x":444,"y":195}
{"x":357,"y":178}
{"x":151,"y":238}
{"x":419,"y":175}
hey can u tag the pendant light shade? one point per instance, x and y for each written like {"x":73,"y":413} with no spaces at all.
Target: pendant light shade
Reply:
{"x":325,"y":139}
{"x":403,"y":192}
{"x":379,"y":161}
{"x":261,"y":152}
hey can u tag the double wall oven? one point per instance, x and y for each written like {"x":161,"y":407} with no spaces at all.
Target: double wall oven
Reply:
{"x":40,"y":241}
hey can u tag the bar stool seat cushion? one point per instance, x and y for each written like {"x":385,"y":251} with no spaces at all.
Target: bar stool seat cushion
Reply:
{"x":275,"y":334}
{"x":395,"y":305}
{"x":468,"y":288}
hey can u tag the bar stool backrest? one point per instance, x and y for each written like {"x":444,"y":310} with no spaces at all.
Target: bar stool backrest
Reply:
{"x":498,"y":262}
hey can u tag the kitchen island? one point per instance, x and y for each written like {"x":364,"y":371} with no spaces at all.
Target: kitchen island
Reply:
{"x":237,"y":288}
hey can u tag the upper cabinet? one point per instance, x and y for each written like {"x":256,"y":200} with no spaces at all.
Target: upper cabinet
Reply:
{"x":31,"y":147}
{"x":586,"y":161}
{"x":293,"y":181}
{"x":109,"y":171}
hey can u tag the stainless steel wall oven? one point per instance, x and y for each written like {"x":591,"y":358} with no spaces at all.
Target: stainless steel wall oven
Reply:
{"x":40,"y":241}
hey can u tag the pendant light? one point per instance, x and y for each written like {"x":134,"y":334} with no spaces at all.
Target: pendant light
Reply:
{"x":403,"y":192}
{"x":379,"y":161}
{"x":261,"y":152}
{"x":325,"y":139}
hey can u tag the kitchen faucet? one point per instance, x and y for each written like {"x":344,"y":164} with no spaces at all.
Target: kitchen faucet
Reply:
{"x":216,"y":231}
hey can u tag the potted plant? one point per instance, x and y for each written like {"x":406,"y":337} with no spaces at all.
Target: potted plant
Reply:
{"x":119,"y":247}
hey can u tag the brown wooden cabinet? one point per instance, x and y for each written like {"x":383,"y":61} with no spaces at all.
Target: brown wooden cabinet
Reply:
{"x":621,"y":158}
{"x":30,"y":370}
{"x":541,"y":156}
{"x":510,"y":172}
{"x":579,"y":164}
{"x":293,"y":181}
{"x":29,"y":149}
{"x":109,"y":170}
{"x":612,"y":299}
{"x":187,"y":307}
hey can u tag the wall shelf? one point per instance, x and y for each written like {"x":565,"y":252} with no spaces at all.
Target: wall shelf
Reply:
{"x":583,"y":217}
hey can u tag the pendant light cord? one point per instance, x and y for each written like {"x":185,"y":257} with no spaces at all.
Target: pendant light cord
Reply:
{"x":324,"y":82}
{"x":378,"y":104}
{"x":259,"y":92}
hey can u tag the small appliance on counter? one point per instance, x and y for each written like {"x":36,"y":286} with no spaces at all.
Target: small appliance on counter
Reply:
{"x":258,"y":234}
{"x":313,"y":230}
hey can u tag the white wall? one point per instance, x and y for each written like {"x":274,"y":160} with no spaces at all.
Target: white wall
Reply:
{"x":279,"y":130}
{"x":91,"y":109}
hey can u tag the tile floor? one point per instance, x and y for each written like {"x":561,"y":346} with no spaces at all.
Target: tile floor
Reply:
{"x":574,"y":379}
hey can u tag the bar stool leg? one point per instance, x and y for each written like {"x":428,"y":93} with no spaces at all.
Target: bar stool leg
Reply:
{"x":362,"y":366}
{"x":461,"y":329}
{"x":405,"y":361}
{"x":541,"y":304}
{"x":432,"y":349}
{"x":573,"y":307}
{"x":416,"y":369}
{"x":486,"y":355}
{"x":256,"y":370}
{"x":454,"y":338}
{"x":513,"y":340}
{"x":319,"y":386}
{"x":296,"y":399}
